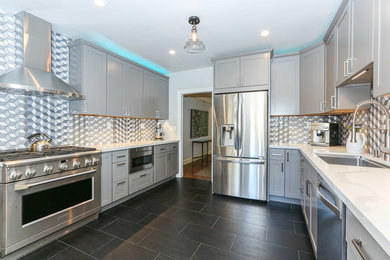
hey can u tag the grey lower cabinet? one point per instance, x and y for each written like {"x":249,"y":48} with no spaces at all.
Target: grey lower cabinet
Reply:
{"x":166,"y":161}
{"x":285,"y":85}
{"x":161,"y":167}
{"x":140,"y":180}
{"x":106,"y":179}
{"x":155,"y":96}
{"x":120,"y":174}
{"x":312,"y":79}
{"x":173,"y":159}
{"x":284,"y":173}
{"x":309,"y":201}
{"x":360,"y":244}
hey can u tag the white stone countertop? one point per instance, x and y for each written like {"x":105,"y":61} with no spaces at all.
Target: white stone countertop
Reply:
{"x":365,"y":191}
{"x":123,"y":146}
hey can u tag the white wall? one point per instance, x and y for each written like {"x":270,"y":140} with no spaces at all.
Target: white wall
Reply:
{"x":185,"y":80}
{"x":188,"y":104}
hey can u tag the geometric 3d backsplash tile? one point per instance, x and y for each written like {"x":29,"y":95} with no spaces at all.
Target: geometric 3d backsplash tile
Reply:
{"x":22,"y":115}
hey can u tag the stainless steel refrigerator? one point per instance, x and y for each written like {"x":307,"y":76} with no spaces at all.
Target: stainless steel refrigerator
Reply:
{"x":240,"y":144}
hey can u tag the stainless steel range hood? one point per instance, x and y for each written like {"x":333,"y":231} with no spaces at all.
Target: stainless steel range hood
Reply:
{"x":34,"y":76}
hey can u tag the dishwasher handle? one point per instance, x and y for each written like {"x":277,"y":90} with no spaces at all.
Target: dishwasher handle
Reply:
{"x":326,"y":202}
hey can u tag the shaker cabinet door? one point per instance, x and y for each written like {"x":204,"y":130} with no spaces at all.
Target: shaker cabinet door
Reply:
{"x":255,"y":70}
{"x":227,"y":73}
{"x":134,"y":79}
{"x":276,"y":176}
{"x":116,"y":87}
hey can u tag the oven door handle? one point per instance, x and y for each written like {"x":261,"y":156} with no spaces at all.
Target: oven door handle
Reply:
{"x":21,"y":186}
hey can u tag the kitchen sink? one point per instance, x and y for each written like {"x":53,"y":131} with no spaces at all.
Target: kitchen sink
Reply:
{"x":351,"y":160}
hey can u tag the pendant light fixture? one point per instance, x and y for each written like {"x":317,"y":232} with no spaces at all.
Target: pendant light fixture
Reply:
{"x":194,"y":44}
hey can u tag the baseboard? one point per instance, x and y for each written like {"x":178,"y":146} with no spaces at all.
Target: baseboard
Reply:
{"x":189,"y":160}
{"x":284,"y":200}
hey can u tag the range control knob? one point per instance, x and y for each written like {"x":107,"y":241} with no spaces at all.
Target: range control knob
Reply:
{"x":16,"y":175}
{"x":76,"y":164}
{"x":48,"y":169}
{"x":95,"y":161}
{"x":88,"y":162}
{"x":63,"y":167}
{"x":30,"y":172}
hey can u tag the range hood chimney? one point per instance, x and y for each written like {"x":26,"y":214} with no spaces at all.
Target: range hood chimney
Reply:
{"x":34,"y":75}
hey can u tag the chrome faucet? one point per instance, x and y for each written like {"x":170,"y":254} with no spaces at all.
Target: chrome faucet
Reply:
{"x":386,"y":148}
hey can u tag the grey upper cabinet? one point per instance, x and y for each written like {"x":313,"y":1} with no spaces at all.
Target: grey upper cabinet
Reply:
{"x":251,"y":72}
{"x":155,"y":97}
{"x":362,"y":28}
{"x":116,"y":101}
{"x":312,"y":73}
{"x":330,"y":84}
{"x":285,"y":85}
{"x":115,"y":86}
{"x":382,"y":48}
{"x":255,"y":70}
{"x":88,"y":75}
{"x":343,"y":46}
{"x":134,"y":82}
{"x":227,"y":73}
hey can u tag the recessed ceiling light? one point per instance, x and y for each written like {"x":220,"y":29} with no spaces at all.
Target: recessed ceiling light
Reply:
{"x":264,"y":33}
{"x":100,"y":3}
{"x":172,"y":52}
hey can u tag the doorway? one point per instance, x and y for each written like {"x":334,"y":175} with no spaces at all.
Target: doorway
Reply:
{"x":197,"y":135}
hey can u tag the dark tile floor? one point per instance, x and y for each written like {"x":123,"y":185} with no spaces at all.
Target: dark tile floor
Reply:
{"x":183,"y":220}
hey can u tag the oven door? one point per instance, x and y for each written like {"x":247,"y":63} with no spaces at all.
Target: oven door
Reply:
{"x":141,"y":161}
{"x":38,"y":207}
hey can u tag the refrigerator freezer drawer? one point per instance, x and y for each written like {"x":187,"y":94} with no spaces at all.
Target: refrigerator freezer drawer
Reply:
{"x":244,"y":178}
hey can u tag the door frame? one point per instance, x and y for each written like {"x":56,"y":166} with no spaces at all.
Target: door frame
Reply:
{"x":180,"y":96}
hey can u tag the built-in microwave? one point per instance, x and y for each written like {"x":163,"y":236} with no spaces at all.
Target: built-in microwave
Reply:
{"x":141,"y":159}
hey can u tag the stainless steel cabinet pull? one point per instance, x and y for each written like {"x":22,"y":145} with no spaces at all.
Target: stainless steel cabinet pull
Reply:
{"x":276,"y":154}
{"x":143,"y":175}
{"x":281,"y":165}
{"x":23,"y":186}
{"x":288,"y":156}
{"x":326,"y":202}
{"x":307,"y":188}
{"x":333,"y":102}
{"x":121,"y":182}
{"x":345,"y":73}
{"x":120,"y":164}
{"x":121,"y":156}
{"x":358,"y":245}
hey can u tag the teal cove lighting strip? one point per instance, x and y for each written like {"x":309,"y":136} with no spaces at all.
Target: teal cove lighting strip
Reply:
{"x":106,"y":43}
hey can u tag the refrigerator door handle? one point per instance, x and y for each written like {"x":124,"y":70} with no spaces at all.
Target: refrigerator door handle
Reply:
{"x":239,"y":123}
{"x":236,"y":125}
{"x":241,"y":160}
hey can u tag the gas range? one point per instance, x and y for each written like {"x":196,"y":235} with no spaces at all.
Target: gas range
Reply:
{"x":46,"y":192}
{"x":23,"y":164}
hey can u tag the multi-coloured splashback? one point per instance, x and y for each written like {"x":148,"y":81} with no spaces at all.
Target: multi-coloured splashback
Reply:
{"x":22,"y":115}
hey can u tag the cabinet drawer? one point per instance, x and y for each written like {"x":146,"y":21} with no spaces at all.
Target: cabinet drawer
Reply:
{"x":276,"y":154}
{"x":140,"y":180}
{"x":161,"y":149}
{"x":173,"y":147}
{"x":120,"y":189}
{"x":120,"y":156}
{"x":355,"y":232}
{"x":120,"y":170}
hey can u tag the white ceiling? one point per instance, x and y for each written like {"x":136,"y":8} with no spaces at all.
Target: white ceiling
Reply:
{"x":150,"y":28}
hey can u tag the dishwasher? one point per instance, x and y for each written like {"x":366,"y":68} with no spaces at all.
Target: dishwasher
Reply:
{"x":331,"y":243}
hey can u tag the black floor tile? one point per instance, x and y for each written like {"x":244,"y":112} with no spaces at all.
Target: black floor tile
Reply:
{"x":126,"y":213}
{"x":164,"y":257}
{"x":102,"y":221}
{"x":208,"y":236}
{"x":164,"y":224}
{"x":286,"y":213}
{"x":275,"y":222}
{"x":257,"y":208}
{"x":127,"y":230}
{"x":300,"y":228}
{"x":223,"y":211}
{"x":212,"y":200}
{"x":194,"y":217}
{"x":173,"y":246}
{"x":289,"y":239}
{"x":47,"y":251}
{"x":241,"y":228}
{"x":188,"y":204}
{"x":86,"y":239}
{"x":71,"y":254}
{"x":208,"y":252}
{"x":119,"y":249}
{"x":306,"y":256}
{"x":157,"y":208}
{"x":263,"y":250}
